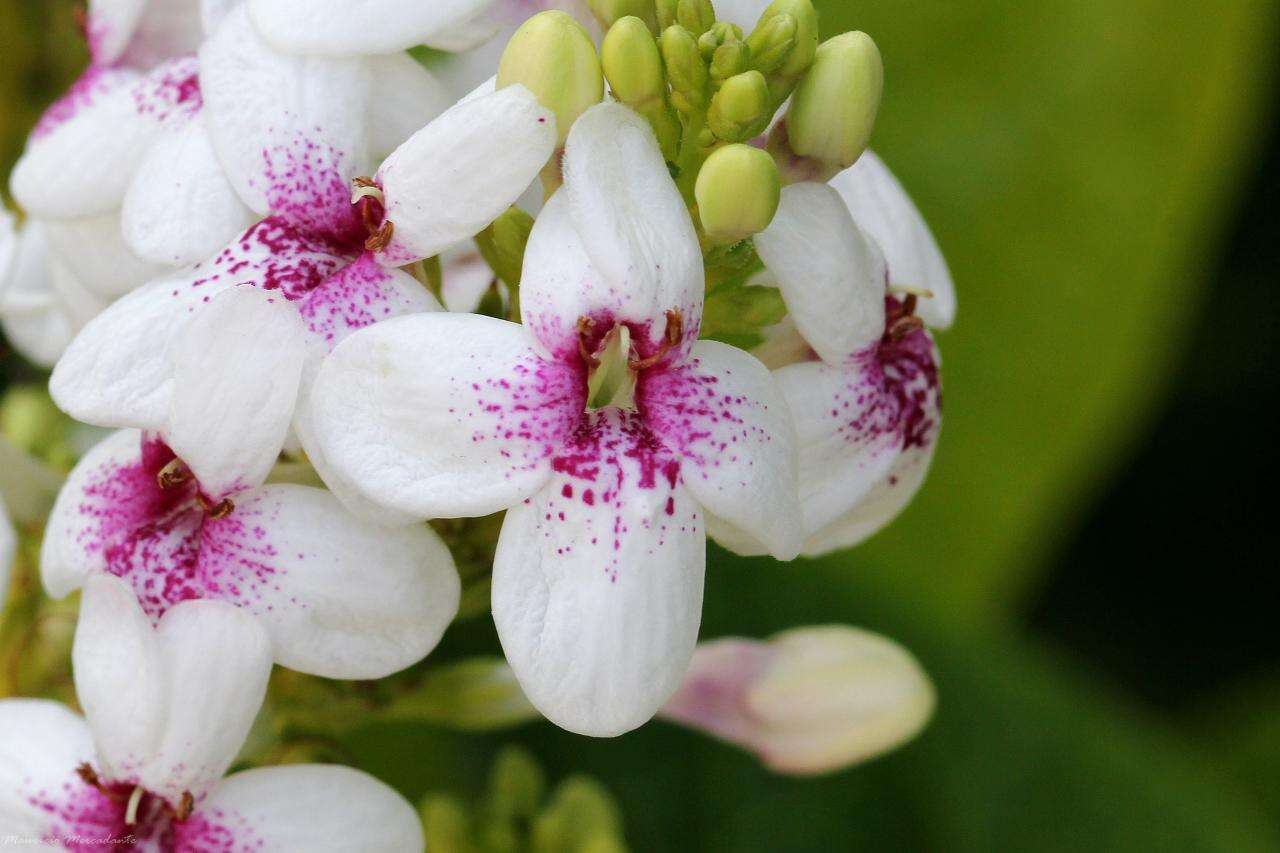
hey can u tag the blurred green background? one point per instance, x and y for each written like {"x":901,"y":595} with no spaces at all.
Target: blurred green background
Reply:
{"x":1083,"y":573}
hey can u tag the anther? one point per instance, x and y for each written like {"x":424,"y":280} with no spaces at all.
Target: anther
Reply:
{"x":672,"y":338}
{"x":586,"y":326}
{"x":185,"y":807}
{"x":221,"y":509}
{"x":904,"y":326}
{"x":89,"y":776}
{"x":81,"y":16}
{"x":174,"y":474}
{"x":381,"y":238}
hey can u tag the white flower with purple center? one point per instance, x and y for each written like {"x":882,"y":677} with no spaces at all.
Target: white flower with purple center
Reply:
{"x":861,"y":375}
{"x":339,"y":597}
{"x":334,"y":263}
{"x":605,"y":428}
{"x":167,"y":709}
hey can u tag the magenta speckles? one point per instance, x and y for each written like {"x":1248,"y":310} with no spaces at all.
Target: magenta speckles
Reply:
{"x":358,"y":296}
{"x":272,"y":255}
{"x":306,"y":183}
{"x":94,"y":84}
{"x":165,"y":543}
{"x":896,"y":388}
{"x":171,"y":91}
{"x":85,"y":818}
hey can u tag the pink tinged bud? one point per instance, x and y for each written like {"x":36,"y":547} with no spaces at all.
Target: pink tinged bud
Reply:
{"x":808,"y":701}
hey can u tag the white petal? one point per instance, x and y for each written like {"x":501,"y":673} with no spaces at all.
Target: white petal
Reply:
{"x":8,"y":541}
{"x":236,"y":372}
{"x":120,"y":677}
{"x":745,"y":13}
{"x":170,"y":706}
{"x":118,"y":371}
{"x":597,"y":581}
{"x":344,"y":598}
{"x":181,"y":209}
{"x":459,"y":173}
{"x":213,"y":11}
{"x":33,"y":315}
{"x":467,"y":278}
{"x":405,"y":98}
{"x":314,"y":807}
{"x":85,"y":150}
{"x":291,"y":132}
{"x":41,"y":744}
{"x":632,"y":221}
{"x":345,"y":28}
{"x":725,"y":414}
{"x":878,"y":508}
{"x":99,"y":501}
{"x":166,"y":29}
{"x":111,"y":25}
{"x":96,"y":254}
{"x":217,"y":660}
{"x":849,"y":436}
{"x":831,"y":275}
{"x":882,"y":208}
{"x":444,"y":415}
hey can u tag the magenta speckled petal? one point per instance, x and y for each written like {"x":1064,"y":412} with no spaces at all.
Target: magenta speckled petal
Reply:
{"x":41,"y":743}
{"x":597,"y":582}
{"x":444,"y":415}
{"x":725,"y":414}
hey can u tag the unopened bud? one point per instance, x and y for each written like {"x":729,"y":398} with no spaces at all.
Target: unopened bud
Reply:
{"x":808,"y":701}
{"x":720,"y":33}
{"x":609,"y":12}
{"x":686,"y":71}
{"x":742,"y":108}
{"x":729,"y":60}
{"x":696,"y":16}
{"x":479,"y":694}
{"x":553,"y":56}
{"x":769,"y":38}
{"x":633,"y":67}
{"x":835,"y":106}
{"x":665,"y":12}
{"x":738,"y":191}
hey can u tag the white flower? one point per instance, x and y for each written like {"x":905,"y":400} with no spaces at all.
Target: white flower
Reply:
{"x":597,"y":584}
{"x":809,"y":700}
{"x":339,"y":597}
{"x":864,"y":388}
{"x":167,"y":710}
{"x":294,"y":149}
{"x":8,"y":550}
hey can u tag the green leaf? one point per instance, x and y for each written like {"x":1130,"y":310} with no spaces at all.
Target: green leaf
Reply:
{"x":1076,"y":161}
{"x":737,"y":315}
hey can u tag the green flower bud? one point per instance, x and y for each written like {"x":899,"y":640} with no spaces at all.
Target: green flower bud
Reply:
{"x":516,"y":785}
{"x":633,"y":67}
{"x":582,"y":814}
{"x":738,"y":191}
{"x":729,"y":60}
{"x":686,"y":72}
{"x":834,"y":109}
{"x":720,"y":33}
{"x":696,"y":16}
{"x":479,"y":694}
{"x":768,"y":38}
{"x":609,"y":12}
{"x":742,"y":108}
{"x":665,"y":11}
{"x":553,"y":56}
{"x":771,"y":43}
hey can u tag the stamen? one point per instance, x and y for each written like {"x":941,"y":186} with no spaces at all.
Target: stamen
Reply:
{"x":89,"y":775}
{"x":174,"y":474}
{"x":904,"y":326}
{"x":217,"y":511}
{"x":131,"y":811}
{"x":585,"y":328}
{"x":381,"y":238}
{"x":362,"y":188}
{"x":672,"y":338}
{"x":185,"y":807}
{"x":81,"y":16}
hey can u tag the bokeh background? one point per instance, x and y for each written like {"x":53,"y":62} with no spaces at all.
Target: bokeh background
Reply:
{"x":1085,"y":573}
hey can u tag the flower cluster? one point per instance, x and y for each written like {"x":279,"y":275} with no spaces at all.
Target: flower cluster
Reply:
{"x":218,"y":270}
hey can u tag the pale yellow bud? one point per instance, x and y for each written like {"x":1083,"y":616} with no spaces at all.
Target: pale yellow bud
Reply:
{"x":738,"y":192}
{"x":553,"y":56}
